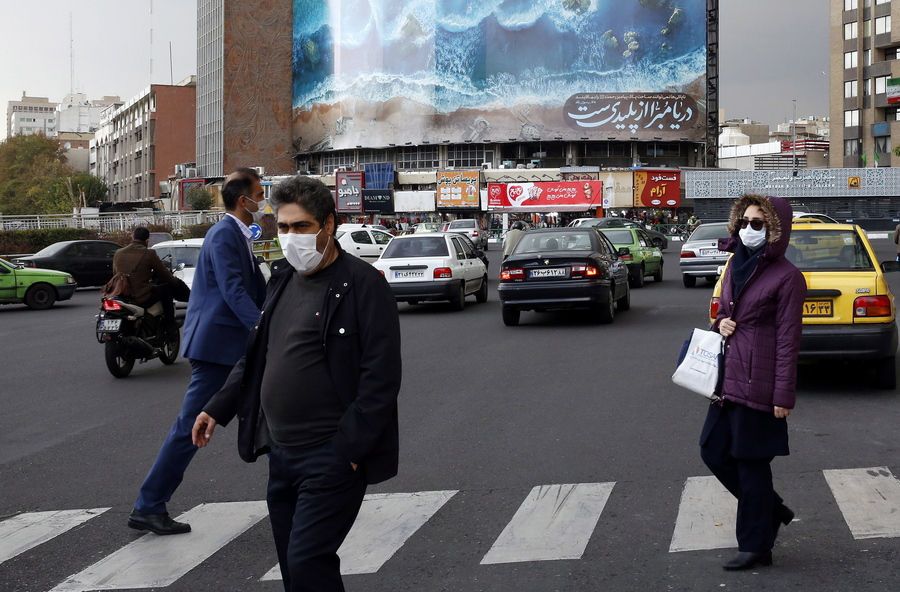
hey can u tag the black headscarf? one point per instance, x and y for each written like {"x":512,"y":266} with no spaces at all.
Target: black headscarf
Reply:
{"x":742,"y":265}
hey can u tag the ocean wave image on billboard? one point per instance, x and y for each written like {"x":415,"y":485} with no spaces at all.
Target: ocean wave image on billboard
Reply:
{"x":379,"y":72}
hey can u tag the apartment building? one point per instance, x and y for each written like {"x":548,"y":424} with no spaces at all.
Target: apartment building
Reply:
{"x":865,"y":82}
{"x":31,"y":115}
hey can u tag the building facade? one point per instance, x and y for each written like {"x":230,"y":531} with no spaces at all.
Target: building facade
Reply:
{"x":139,"y":143}
{"x":31,"y":115}
{"x":865,"y":45}
{"x":78,"y":114}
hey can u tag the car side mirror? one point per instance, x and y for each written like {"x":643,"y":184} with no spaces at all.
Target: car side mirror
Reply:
{"x":624,"y":251}
{"x":888,"y":266}
{"x":180,"y":266}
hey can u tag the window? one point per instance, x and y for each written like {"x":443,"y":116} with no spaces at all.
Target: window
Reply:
{"x":851,"y":30}
{"x":421,"y":157}
{"x":883,"y":144}
{"x":867,"y":87}
{"x":851,"y":147}
{"x":851,"y":59}
{"x":851,"y":88}
{"x":882,"y":25}
{"x":465,"y":156}
{"x":891,"y":114}
{"x":881,"y":85}
{"x":851,"y":118}
{"x":867,"y":57}
{"x":890,"y":53}
{"x":332,"y":161}
{"x":877,"y":2}
{"x":851,"y":4}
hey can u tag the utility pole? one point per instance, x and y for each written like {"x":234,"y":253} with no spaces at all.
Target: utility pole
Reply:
{"x":794,"y":139}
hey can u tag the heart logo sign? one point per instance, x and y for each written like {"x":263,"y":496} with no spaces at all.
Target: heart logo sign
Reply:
{"x":495,"y":191}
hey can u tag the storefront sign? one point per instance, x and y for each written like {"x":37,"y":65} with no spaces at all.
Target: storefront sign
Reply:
{"x":566,"y":196}
{"x":378,"y":201}
{"x":657,"y":188}
{"x":348,"y":191}
{"x":457,"y":189}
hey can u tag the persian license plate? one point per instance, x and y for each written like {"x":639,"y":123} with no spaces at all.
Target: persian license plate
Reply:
{"x":408,"y":274}
{"x":818,"y":308}
{"x":549,"y":272}
{"x":711,"y":252}
{"x":108,"y":325}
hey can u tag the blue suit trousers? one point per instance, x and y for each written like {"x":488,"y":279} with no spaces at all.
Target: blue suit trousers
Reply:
{"x":177,"y":451}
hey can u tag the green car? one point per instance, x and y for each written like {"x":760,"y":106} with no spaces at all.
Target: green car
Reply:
{"x":37,"y":288}
{"x":637,"y":250}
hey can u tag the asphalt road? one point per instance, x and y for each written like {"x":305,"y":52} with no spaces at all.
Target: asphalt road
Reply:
{"x":488,"y":413}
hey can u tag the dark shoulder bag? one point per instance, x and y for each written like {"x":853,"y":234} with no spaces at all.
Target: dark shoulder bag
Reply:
{"x":119,"y":285}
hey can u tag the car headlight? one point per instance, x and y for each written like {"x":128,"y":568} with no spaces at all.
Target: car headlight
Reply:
{"x":70,"y":280}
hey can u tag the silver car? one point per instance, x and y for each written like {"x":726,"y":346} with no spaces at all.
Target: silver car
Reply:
{"x":700,"y":254}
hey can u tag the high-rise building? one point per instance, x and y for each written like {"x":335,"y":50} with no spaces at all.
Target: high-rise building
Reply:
{"x":31,"y":115}
{"x":865,"y":89}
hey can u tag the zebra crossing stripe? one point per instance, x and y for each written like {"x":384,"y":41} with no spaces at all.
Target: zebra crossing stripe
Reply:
{"x":153,"y":561}
{"x":26,"y":531}
{"x":554,"y":522}
{"x":384,"y":523}
{"x":869,"y":499}
{"x":706,"y":518}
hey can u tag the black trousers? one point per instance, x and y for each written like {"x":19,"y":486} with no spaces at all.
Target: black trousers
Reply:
{"x":750,"y":481}
{"x":314,"y":496}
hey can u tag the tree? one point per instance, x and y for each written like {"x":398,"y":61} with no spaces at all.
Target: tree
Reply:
{"x":30,"y":166}
{"x":199,"y":198}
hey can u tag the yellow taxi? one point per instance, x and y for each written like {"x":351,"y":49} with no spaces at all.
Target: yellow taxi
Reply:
{"x":849,"y":312}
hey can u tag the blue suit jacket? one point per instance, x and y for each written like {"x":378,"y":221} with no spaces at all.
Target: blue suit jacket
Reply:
{"x":226,"y":297}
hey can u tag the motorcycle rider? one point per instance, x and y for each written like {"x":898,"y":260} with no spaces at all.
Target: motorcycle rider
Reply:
{"x":142,"y":265}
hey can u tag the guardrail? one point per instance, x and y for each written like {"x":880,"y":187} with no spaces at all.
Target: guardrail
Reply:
{"x":112,"y":221}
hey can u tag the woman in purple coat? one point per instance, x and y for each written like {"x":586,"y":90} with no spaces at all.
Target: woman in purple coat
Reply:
{"x":760,"y":316}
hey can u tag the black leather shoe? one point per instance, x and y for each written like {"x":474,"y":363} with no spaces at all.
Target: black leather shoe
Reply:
{"x":157,"y":523}
{"x":785,"y":516}
{"x":746,"y":560}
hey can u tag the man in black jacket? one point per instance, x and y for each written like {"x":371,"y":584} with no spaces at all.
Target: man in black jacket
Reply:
{"x":317,"y":388}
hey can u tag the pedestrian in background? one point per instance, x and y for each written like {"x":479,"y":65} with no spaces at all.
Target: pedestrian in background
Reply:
{"x":760,"y":316}
{"x":512,"y":237}
{"x":226,"y":297}
{"x":897,"y":240}
{"x":317,"y":388}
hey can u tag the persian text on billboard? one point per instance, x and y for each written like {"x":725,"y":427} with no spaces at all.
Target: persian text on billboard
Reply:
{"x":379,"y":72}
{"x":657,"y":188}
{"x":566,"y":196}
{"x":457,"y":189}
{"x":348,"y":188}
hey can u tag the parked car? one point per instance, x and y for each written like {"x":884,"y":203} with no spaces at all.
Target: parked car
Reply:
{"x":849,"y":312}
{"x":659,"y":239}
{"x":807,"y":216}
{"x":366,"y":243}
{"x":36,"y":288}
{"x":434,"y":266}
{"x":470,"y":228}
{"x":561,"y":268}
{"x":639,"y":253}
{"x":427,"y":227}
{"x":181,"y":257}
{"x":89,"y":261}
{"x":700,"y":254}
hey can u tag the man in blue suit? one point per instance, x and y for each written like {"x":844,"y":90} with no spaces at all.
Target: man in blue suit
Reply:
{"x":226,"y":297}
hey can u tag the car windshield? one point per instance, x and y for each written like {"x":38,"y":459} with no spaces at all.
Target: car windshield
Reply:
{"x":537,"y":242}
{"x":619,"y":237}
{"x":51,"y":250}
{"x":418,"y":246}
{"x":828,"y":250}
{"x":710,"y":232}
{"x":186,"y":255}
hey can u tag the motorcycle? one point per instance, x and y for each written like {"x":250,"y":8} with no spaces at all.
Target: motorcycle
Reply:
{"x":129,"y":332}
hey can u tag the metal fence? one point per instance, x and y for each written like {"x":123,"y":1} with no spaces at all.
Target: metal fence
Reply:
{"x":113,"y":221}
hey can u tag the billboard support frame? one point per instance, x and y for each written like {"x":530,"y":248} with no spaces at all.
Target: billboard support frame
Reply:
{"x":710,"y":147}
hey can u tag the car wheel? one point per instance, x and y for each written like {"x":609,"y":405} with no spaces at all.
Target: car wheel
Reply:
{"x":40,"y":296}
{"x":118,"y":361}
{"x":637,"y":281}
{"x":624,"y":303}
{"x":171,"y":345}
{"x":886,"y":373}
{"x":658,"y":274}
{"x":689,"y":280}
{"x":482,"y":294}
{"x":486,"y":243}
{"x":606,"y":312}
{"x":659,"y":242}
{"x":510,"y":316}
{"x":458,"y":301}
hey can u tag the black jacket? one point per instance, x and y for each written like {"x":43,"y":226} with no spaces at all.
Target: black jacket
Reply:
{"x":360,"y":331}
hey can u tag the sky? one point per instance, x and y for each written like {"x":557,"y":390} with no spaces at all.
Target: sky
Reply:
{"x":772,"y":52}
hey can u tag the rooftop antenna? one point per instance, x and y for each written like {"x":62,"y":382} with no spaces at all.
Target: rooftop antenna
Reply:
{"x":71,"y":58}
{"x":151,"y":41}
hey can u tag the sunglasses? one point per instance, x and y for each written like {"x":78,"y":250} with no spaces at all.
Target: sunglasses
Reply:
{"x":754,"y":224}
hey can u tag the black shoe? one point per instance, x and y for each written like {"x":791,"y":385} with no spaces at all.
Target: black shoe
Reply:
{"x":746,"y":560}
{"x":784,"y":516}
{"x":157,"y":523}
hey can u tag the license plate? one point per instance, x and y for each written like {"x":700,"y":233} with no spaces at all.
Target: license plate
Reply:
{"x":817,"y":308}
{"x":408,"y":274}
{"x":108,"y":325}
{"x":712,"y":252}
{"x":550,"y":272}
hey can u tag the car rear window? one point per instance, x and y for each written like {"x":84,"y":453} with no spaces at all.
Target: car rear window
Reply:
{"x":537,"y":242}
{"x":828,"y":250}
{"x":424,"y":246}
{"x":619,"y":237}
{"x":462,"y":224}
{"x":710,"y":231}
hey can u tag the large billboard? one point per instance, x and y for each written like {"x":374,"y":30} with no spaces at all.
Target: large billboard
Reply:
{"x":374,"y":73}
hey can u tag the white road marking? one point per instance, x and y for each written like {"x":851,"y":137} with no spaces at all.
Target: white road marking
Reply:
{"x":554,"y":522}
{"x":156,"y":561}
{"x":869,"y":499}
{"x":26,"y":531}
{"x":707,"y":515}
{"x":384,"y":523}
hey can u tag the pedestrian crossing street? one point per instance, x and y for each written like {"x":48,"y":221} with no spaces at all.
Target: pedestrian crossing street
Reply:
{"x":553,"y":522}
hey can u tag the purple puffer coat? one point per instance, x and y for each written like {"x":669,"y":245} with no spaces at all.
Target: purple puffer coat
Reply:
{"x":761,"y":354}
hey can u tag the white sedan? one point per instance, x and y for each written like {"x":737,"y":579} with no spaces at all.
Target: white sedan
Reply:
{"x":364,"y":242}
{"x":433,"y":266}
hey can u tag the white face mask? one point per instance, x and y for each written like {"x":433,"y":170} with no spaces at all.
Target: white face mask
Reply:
{"x":260,"y":210}
{"x":752,"y":239}
{"x":300,"y":250}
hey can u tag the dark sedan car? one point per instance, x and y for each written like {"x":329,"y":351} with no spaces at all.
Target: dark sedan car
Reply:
{"x":89,"y":261}
{"x":659,"y":239}
{"x":559,"y":268}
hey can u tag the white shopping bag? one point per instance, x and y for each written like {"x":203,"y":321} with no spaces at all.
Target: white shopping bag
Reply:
{"x":701,"y":364}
